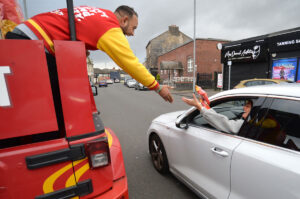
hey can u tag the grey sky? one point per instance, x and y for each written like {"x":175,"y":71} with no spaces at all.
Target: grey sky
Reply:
{"x":221,"y":19}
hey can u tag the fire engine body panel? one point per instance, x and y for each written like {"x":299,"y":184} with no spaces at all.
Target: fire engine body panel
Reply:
{"x":47,"y":151}
{"x":30,"y":108}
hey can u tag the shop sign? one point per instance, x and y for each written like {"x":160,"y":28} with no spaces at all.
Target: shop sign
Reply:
{"x":244,"y":53}
{"x":286,"y":42}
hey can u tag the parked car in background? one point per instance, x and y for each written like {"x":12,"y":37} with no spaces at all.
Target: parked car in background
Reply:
{"x":116,"y":80}
{"x":256,"y":82}
{"x":261,"y":161}
{"x":126,"y":79}
{"x":139,"y":86}
{"x":102,"y":83}
{"x":131,"y":82}
{"x":109,"y":81}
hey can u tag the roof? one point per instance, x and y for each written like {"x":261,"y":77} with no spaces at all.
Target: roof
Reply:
{"x":171,"y":65}
{"x":165,"y":33}
{"x":287,"y":90}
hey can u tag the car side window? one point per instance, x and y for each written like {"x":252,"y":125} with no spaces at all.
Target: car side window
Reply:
{"x":279,"y":124}
{"x":269,"y":82}
{"x":249,"y":83}
{"x":253,"y":83}
{"x":251,"y":126}
{"x":232,"y":109}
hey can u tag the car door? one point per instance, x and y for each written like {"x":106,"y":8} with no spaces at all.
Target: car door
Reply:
{"x":201,"y":155}
{"x":267,"y":163}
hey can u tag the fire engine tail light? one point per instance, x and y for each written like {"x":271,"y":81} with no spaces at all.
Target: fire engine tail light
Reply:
{"x":98,"y":153}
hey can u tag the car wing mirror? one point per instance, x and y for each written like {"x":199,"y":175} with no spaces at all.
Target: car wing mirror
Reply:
{"x":181,"y":121}
{"x":183,"y":125}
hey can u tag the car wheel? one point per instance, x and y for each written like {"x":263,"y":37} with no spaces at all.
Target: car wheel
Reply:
{"x":158,"y":154}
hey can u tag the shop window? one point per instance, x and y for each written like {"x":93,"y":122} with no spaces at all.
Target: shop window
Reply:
{"x":284,"y":69}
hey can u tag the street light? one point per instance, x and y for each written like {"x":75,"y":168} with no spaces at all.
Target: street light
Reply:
{"x":25,"y":9}
{"x":194,"y":78}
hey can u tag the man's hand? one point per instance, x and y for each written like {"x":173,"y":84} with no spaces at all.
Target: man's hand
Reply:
{"x":193,"y":102}
{"x":165,"y":93}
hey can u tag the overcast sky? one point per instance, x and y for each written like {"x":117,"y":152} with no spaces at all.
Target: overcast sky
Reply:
{"x":221,"y":19}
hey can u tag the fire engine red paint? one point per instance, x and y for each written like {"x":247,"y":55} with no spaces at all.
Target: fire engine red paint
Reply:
{"x":19,"y":182}
{"x":32,"y":109}
{"x":74,"y":87}
{"x":33,"y":112}
{"x":116,"y":156}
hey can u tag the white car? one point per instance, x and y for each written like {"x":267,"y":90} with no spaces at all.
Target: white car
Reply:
{"x":117,"y":81}
{"x":109,"y":81}
{"x":262,"y":161}
{"x":131,"y":83}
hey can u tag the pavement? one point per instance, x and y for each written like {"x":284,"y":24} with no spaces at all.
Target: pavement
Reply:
{"x":189,"y":93}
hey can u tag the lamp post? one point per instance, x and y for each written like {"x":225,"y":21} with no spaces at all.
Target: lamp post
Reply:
{"x":229,"y":63}
{"x":25,"y":9}
{"x":194,"y":65}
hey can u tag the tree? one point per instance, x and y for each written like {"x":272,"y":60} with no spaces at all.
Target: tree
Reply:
{"x":158,"y":77}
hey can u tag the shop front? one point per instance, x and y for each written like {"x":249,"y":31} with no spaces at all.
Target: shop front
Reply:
{"x":285,"y":55}
{"x":274,"y":55}
{"x":244,"y":60}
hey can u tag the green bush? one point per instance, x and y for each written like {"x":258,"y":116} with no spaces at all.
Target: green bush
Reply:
{"x":158,"y":77}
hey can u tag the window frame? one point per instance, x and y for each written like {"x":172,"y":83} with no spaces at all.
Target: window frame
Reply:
{"x":189,"y":64}
{"x":214,"y":103}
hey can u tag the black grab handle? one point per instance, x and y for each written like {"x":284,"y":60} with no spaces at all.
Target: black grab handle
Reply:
{"x":71,"y":18}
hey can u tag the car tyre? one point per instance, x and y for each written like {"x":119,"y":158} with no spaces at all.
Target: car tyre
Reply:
{"x":158,"y":154}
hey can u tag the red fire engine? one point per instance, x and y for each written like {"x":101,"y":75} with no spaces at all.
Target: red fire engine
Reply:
{"x":52,"y":141}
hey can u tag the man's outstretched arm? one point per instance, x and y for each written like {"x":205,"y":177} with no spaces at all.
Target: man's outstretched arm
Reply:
{"x":115,"y":44}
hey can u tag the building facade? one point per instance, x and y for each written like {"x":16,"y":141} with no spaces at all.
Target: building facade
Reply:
{"x":90,"y":68}
{"x":163,"y":43}
{"x":177,"y":64}
{"x":274,"y":55}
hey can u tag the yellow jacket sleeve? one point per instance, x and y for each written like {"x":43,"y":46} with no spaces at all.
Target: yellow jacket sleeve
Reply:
{"x":115,"y":44}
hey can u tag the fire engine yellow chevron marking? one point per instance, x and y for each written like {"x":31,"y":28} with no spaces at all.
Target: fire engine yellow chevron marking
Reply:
{"x":109,"y":138}
{"x":78,"y":174}
{"x":49,"y":182}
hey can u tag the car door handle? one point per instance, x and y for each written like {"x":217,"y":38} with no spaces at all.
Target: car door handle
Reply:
{"x":219,"y":151}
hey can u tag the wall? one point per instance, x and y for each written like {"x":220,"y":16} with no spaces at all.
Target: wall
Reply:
{"x":207,"y":57}
{"x":163,"y":43}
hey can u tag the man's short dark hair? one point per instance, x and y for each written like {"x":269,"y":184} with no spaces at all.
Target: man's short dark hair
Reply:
{"x":126,"y":10}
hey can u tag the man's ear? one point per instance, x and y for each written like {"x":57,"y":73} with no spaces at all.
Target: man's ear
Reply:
{"x":124,"y":21}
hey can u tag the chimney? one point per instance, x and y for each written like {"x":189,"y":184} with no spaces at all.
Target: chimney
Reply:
{"x":174,"y":30}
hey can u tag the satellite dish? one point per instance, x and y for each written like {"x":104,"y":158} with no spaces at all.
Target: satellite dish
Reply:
{"x":219,"y":46}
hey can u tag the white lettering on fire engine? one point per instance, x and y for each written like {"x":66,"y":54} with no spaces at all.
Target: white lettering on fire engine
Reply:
{"x":4,"y":95}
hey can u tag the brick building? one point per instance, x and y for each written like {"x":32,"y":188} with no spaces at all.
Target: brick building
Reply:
{"x":177,"y":64}
{"x":163,"y":43}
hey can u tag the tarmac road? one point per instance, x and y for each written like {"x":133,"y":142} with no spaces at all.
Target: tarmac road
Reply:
{"x":128,"y":113}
